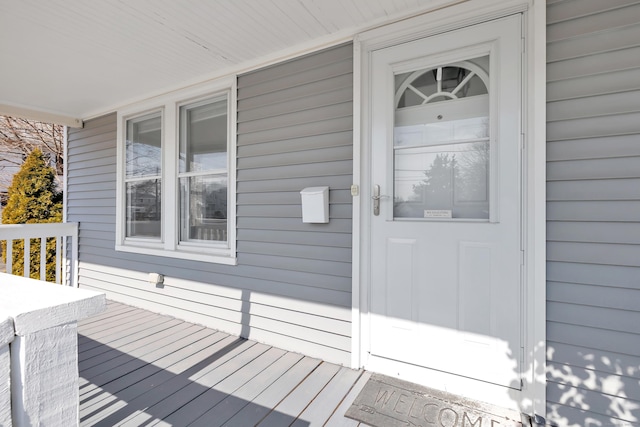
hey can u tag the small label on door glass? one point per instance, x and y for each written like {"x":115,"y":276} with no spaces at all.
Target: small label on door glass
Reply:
{"x":437,"y":213}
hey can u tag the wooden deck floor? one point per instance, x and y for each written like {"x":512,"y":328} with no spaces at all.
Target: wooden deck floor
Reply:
{"x":141,"y":368}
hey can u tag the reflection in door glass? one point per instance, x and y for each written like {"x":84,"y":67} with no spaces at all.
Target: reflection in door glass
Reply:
{"x":442,"y":181}
{"x":441,"y":142}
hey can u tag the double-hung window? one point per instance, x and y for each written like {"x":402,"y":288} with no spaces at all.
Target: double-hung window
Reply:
{"x":176,"y":176}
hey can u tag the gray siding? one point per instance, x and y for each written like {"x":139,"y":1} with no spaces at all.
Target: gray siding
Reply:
{"x":593,"y":212}
{"x":292,"y":284}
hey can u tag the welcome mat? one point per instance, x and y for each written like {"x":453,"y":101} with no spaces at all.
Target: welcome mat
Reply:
{"x":389,"y":402}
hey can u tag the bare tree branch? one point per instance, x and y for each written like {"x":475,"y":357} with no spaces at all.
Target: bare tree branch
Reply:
{"x":19,"y":137}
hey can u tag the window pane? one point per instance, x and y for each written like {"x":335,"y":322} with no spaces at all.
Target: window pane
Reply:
{"x":444,"y":181}
{"x":439,"y":132}
{"x":203,"y":208}
{"x":144,"y":146}
{"x":441,"y":141}
{"x":144,"y":208}
{"x":203,"y":137}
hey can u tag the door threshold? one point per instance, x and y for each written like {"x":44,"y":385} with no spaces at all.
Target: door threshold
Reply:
{"x":389,"y":402}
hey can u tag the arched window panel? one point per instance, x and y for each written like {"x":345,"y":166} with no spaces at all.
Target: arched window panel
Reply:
{"x":453,"y":81}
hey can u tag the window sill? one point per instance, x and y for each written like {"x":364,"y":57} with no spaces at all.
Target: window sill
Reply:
{"x":218,"y":257}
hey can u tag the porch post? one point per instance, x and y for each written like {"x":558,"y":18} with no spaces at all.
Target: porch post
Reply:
{"x":44,"y":352}
{"x":6,"y":336}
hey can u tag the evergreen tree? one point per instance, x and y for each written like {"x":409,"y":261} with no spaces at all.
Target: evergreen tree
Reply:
{"x":33,"y":198}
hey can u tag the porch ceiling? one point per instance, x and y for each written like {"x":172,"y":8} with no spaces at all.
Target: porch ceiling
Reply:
{"x":77,"y":58}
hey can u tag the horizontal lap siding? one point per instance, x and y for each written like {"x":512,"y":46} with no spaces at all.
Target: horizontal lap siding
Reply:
{"x":292,"y":285}
{"x":295,"y":131}
{"x":593,"y":212}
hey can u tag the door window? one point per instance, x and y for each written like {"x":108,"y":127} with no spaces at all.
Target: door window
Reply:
{"x":441,"y":148}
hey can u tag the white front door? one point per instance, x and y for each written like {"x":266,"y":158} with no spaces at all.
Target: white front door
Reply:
{"x":445,"y":242}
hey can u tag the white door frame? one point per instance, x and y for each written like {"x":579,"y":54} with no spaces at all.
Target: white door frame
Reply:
{"x":532,"y":398}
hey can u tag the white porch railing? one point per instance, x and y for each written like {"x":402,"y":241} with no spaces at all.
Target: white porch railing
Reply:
{"x":66,"y":259}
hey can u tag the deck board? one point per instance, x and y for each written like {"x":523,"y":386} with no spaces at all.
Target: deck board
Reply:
{"x":108,"y":332}
{"x":121,"y":316}
{"x":115,"y":393}
{"x":299,"y":398}
{"x":219,"y":414}
{"x":262,"y":405}
{"x":114,"y":309}
{"x":182,"y":391}
{"x":138,"y":345}
{"x":136,"y":370}
{"x":130,"y":321}
{"x":143,"y":343}
{"x":144,"y":350}
{"x":315,"y":413}
{"x":337,"y":419}
{"x":141,"y":396}
{"x":142,"y":368}
{"x":214,"y":395}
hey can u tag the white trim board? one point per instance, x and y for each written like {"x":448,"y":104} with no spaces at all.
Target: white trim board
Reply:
{"x":41,"y":116}
{"x":532,"y":399}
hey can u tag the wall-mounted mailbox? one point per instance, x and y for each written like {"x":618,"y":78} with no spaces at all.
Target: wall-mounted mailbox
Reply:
{"x":315,"y":204}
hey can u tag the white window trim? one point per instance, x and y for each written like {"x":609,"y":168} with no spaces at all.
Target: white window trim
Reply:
{"x":169,"y":245}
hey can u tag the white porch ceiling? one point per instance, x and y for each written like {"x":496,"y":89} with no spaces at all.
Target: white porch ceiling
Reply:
{"x":79,"y":58}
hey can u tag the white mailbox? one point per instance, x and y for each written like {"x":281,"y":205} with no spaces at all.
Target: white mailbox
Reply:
{"x":315,"y":204}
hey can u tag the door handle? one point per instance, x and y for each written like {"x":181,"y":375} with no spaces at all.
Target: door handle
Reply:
{"x":376,"y":199}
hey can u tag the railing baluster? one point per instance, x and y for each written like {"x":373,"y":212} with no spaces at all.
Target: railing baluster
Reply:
{"x":27,"y":257}
{"x":75,"y":267}
{"x":10,"y":256}
{"x":59,"y":258}
{"x":43,"y":258}
{"x":64,"y":264}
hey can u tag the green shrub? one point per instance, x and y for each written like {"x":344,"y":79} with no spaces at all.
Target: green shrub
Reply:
{"x":33,"y":198}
